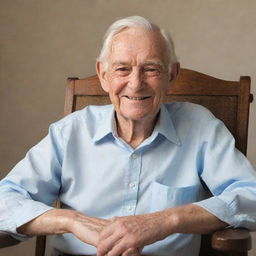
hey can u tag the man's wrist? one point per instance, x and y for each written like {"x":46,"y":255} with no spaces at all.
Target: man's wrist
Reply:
{"x":169,"y":221}
{"x":63,"y":221}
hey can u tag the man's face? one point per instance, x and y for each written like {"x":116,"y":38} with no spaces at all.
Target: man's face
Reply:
{"x":137,"y":76}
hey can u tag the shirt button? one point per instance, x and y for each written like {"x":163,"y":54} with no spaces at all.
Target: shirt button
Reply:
{"x":132,"y":185}
{"x":134,"y":156}
{"x":129,"y":208}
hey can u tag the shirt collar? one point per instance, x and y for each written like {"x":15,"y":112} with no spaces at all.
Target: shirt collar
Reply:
{"x":163,"y":126}
{"x":106,"y":126}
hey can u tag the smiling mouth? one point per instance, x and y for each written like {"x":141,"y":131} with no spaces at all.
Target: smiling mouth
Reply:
{"x":137,"y":98}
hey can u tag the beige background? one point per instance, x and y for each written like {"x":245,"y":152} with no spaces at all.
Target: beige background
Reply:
{"x":43,"y":42}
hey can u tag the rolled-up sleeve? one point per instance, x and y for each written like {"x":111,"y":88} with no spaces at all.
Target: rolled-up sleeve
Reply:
{"x":229,"y":176}
{"x":32,"y":186}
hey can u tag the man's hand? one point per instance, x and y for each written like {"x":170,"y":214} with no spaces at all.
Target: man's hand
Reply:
{"x":126,"y":234}
{"x":87,"y":228}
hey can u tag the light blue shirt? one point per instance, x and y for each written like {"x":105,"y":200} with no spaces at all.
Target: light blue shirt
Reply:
{"x":94,"y":172}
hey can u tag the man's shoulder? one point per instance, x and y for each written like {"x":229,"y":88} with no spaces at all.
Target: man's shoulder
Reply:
{"x":89,"y":114}
{"x":189,"y":111}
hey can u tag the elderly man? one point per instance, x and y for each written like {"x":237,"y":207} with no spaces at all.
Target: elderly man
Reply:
{"x":131,"y":176}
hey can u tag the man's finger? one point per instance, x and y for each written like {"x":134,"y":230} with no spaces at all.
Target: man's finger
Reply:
{"x":105,"y":245}
{"x":119,"y":248}
{"x":131,"y":252}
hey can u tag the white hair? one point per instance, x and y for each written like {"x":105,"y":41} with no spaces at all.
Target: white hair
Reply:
{"x":135,"y":22}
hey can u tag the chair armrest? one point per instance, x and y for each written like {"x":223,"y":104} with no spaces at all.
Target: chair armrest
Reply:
{"x":233,"y":240}
{"x":7,"y":240}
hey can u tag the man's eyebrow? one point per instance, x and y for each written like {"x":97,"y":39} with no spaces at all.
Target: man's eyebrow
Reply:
{"x":120,"y":63}
{"x":154,"y":62}
{"x":148,"y":62}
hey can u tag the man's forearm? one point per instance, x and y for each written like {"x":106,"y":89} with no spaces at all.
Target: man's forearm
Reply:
{"x":60,"y":221}
{"x":191,"y":219}
{"x":52,"y":222}
{"x":141,"y":230}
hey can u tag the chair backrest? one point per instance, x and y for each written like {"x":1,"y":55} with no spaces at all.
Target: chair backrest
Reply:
{"x":228,"y":100}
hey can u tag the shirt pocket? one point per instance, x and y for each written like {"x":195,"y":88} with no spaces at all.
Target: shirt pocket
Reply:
{"x":164,"y":196}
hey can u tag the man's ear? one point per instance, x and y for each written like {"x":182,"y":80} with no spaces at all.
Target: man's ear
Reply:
{"x":174,"y":73}
{"x":102,"y":76}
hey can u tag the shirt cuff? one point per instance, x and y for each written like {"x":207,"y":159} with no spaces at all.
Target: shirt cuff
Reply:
{"x":220,"y":209}
{"x":27,"y":212}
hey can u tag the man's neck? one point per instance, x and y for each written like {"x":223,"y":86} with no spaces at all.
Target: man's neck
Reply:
{"x":134,"y":132}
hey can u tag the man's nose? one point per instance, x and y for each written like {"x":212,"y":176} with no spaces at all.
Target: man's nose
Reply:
{"x":136,"y":79}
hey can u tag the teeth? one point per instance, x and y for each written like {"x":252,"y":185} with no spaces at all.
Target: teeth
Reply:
{"x":137,"y":98}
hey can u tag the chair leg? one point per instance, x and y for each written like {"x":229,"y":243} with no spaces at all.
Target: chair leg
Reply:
{"x":40,"y":246}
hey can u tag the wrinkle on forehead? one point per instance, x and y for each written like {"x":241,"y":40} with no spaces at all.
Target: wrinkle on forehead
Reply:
{"x":150,"y":42}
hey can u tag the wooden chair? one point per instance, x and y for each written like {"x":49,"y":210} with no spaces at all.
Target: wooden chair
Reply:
{"x":228,"y":100}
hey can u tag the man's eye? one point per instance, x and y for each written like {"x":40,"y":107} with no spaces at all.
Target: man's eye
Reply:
{"x":151,"y":71}
{"x":122,"y":69}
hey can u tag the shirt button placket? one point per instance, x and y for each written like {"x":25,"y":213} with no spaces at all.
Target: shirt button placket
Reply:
{"x":132,"y":185}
